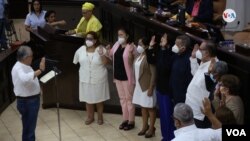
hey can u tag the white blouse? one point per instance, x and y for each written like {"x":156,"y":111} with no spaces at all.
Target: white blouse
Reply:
{"x":92,"y":70}
{"x":23,"y":80}
{"x":34,"y":21}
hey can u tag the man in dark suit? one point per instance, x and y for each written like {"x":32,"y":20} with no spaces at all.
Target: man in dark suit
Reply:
{"x":180,"y":70}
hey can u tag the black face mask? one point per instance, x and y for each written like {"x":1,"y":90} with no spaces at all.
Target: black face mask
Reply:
{"x":210,"y":84}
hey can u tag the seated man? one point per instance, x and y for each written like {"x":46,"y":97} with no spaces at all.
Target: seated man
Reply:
{"x":87,"y":23}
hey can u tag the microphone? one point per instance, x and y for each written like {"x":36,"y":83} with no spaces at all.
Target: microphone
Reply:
{"x":51,"y":60}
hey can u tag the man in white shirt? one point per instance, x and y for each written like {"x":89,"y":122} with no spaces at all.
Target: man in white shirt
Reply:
{"x":186,"y":129}
{"x":27,"y":90}
{"x":196,"y":90}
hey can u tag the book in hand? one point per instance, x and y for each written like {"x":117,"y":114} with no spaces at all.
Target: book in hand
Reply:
{"x":48,"y":76}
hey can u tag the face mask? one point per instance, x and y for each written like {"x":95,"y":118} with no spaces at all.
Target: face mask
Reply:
{"x":89,"y":43}
{"x":140,"y":49}
{"x":175,"y":49}
{"x":198,"y":54}
{"x":121,"y":40}
{"x":212,"y":77}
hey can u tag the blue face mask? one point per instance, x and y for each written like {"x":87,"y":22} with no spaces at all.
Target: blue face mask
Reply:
{"x":212,"y":77}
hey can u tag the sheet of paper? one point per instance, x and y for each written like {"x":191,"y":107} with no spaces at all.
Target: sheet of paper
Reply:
{"x":47,"y":76}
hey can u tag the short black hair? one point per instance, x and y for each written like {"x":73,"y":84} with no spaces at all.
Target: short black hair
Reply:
{"x":211,"y":48}
{"x":145,"y":41}
{"x":48,"y":13}
{"x":185,"y":40}
{"x":125,"y":30}
{"x":32,"y":7}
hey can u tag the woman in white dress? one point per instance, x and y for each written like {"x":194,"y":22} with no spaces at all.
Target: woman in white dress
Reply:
{"x":93,"y":76}
{"x":144,"y":93}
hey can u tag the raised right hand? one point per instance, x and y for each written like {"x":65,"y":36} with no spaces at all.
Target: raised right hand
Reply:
{"x":196,"y":47}
{"x":42,"y":64}
{"x":152,"y":41}
{"x":164,"y":40}
{"x":211,"y":66}
{"x":206,"y":110}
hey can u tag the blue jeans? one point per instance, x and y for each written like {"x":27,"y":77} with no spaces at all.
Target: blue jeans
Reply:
{"x":28,"y":108}
{"x":166,"y":111}
{"x":3,"y":40}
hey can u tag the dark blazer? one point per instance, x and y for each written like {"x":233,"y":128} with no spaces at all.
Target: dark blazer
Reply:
{"x":163,"y":60}
{"x":205,"y":13}
{"x":180,"y":76}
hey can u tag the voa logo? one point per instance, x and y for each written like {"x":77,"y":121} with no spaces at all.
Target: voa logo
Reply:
{"x":229,"y":15}
{"x":236,"y":132}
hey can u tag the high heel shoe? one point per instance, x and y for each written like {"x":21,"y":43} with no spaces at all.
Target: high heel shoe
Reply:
{"x":100,"y":120}
{"x":143,"y":132}
{"x":150,"y":135}
{"x":89,"y":121}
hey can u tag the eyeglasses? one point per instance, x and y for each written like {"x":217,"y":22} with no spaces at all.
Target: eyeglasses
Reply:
{"x":85,"y":12}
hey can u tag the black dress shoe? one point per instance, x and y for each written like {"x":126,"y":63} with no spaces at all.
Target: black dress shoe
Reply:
{"x":124,"y":124}
{"x":143,"y":132}
{"x":129,"y":126}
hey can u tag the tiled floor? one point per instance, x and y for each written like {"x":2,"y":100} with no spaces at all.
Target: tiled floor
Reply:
{"x":72,"y":127}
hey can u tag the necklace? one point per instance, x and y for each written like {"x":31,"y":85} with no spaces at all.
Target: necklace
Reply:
{"x":90,"y":58}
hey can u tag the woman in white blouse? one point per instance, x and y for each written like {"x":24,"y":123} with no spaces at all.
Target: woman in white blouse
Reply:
{"x":36,"y":16}
{"x":93,"y":76}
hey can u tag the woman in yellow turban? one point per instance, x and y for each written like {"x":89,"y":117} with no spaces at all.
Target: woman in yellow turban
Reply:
{"x":88,"y":22}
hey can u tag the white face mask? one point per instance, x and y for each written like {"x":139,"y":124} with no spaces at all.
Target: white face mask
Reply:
{"x":198,"y":54}
{"x":89,"y":43}
{"x":175,"y":49}
{"x":121,"y":40}
{"x":140,"y":49}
